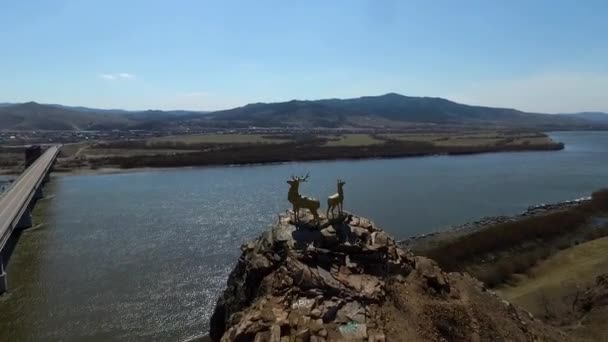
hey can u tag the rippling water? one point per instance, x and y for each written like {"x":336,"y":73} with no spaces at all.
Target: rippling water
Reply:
{"x":142,"y":256}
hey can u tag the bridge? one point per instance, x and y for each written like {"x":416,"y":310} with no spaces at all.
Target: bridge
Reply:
{"x":17,"y":201}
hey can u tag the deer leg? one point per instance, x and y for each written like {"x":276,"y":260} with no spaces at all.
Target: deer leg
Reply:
{"x":315,"y":214}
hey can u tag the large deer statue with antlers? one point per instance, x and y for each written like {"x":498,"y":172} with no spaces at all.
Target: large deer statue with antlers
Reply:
{"x":298,"y":201}
{"x":336,"y":200}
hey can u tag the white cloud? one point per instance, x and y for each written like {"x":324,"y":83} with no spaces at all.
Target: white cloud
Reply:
{"x":117,"y":76}
{"x":548,"y":92}
{"x":125,"y":75}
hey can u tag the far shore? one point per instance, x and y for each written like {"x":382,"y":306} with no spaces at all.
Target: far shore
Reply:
{"x":117,"y":169}
{"x":203,"y":150}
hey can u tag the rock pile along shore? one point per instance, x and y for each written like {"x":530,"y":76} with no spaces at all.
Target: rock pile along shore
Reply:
{"x":348,"y":280}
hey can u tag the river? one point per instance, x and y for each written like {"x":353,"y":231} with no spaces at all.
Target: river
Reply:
{"x":142,"y":256}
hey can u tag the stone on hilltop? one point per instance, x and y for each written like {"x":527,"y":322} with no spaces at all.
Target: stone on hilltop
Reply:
{"x":347,"y":279}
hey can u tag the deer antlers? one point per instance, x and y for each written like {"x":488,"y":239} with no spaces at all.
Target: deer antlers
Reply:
{"x":300,"y":179}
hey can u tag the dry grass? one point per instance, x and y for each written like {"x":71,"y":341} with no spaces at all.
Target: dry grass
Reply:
{"x":496,"y":253}
{"x":354,"y":140}
{"x":473,"y":139}
{"x":581,"y":262}
{"x":555,"y":288}
{"x":73,"y":149}
{"x":99,"y":152}
{"x":418,"y":137}
{"x":218,"y":139}
{"x":11,"y":159}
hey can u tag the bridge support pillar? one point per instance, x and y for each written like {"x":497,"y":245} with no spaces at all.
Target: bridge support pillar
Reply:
{"x":3,"y":278}
{"x":47,"y":177}
{"x":26,"y":220}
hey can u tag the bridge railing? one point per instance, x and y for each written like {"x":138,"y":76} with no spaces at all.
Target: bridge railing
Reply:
{"x":24,"y":206}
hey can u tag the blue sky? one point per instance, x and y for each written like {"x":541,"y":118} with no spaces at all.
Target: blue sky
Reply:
{"x":546,"y":56}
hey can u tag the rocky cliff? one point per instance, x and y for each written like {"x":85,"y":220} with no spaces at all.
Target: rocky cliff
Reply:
{"x":348,"y":280}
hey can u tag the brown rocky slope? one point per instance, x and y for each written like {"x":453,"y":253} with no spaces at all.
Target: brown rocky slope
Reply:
{"x":348,"y":280}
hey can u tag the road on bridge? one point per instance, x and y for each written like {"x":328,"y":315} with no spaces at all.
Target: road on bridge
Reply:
{"x":14,"y":202}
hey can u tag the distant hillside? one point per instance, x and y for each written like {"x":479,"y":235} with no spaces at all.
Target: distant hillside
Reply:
{"x":133,"y":114}
{"x":35,"y":116}
{"x":597,"y":117}
{"x":385,"y":111}
{"x":390,"y":110}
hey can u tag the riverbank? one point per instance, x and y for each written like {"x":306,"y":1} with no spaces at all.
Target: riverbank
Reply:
{"x":550,"y":260}
{"x":161,"y":222}
{"x":248,"y":155}
{"x":219,"y":150}
{"x":429,"y":240}
{"x":495,"y":250}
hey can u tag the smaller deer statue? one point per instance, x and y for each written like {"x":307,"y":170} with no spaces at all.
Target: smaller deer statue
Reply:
{"x":298,"y":201}
{"x":336,"y":200}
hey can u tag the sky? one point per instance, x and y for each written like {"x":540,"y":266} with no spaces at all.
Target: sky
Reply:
{"x":540,"y":56}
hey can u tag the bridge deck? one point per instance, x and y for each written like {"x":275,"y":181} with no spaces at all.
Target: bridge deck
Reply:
{"x":15,"y":201}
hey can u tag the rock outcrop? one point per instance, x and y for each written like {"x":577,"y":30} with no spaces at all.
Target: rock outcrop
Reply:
{"x":348,"y":280}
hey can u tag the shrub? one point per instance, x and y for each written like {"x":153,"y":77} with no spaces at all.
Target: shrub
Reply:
{"x":504,"y":236}
{"x":507,"y":239}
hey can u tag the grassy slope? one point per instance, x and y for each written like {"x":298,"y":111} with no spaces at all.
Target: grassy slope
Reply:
{"x":556,"y":284}
{"x":574,"y":265}
{"x":497,"y":253}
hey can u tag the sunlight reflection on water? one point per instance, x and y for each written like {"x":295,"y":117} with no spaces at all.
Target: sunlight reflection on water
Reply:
{"x":143,"y":256}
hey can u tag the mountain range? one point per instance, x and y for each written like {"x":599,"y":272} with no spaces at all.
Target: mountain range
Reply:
{"x":385,"y":111}
{"x":598,"y":117}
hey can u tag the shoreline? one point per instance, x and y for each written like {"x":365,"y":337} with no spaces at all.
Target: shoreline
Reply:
{"x":456,"y":231}
{"x":115,"y":169}
{"x":246,"y":156}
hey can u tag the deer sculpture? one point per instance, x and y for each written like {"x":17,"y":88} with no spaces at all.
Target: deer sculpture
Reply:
{"x":335,"y":201}
{"x":298,"y":201}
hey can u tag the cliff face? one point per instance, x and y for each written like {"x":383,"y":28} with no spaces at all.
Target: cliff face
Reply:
{"x":349,"y":280}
